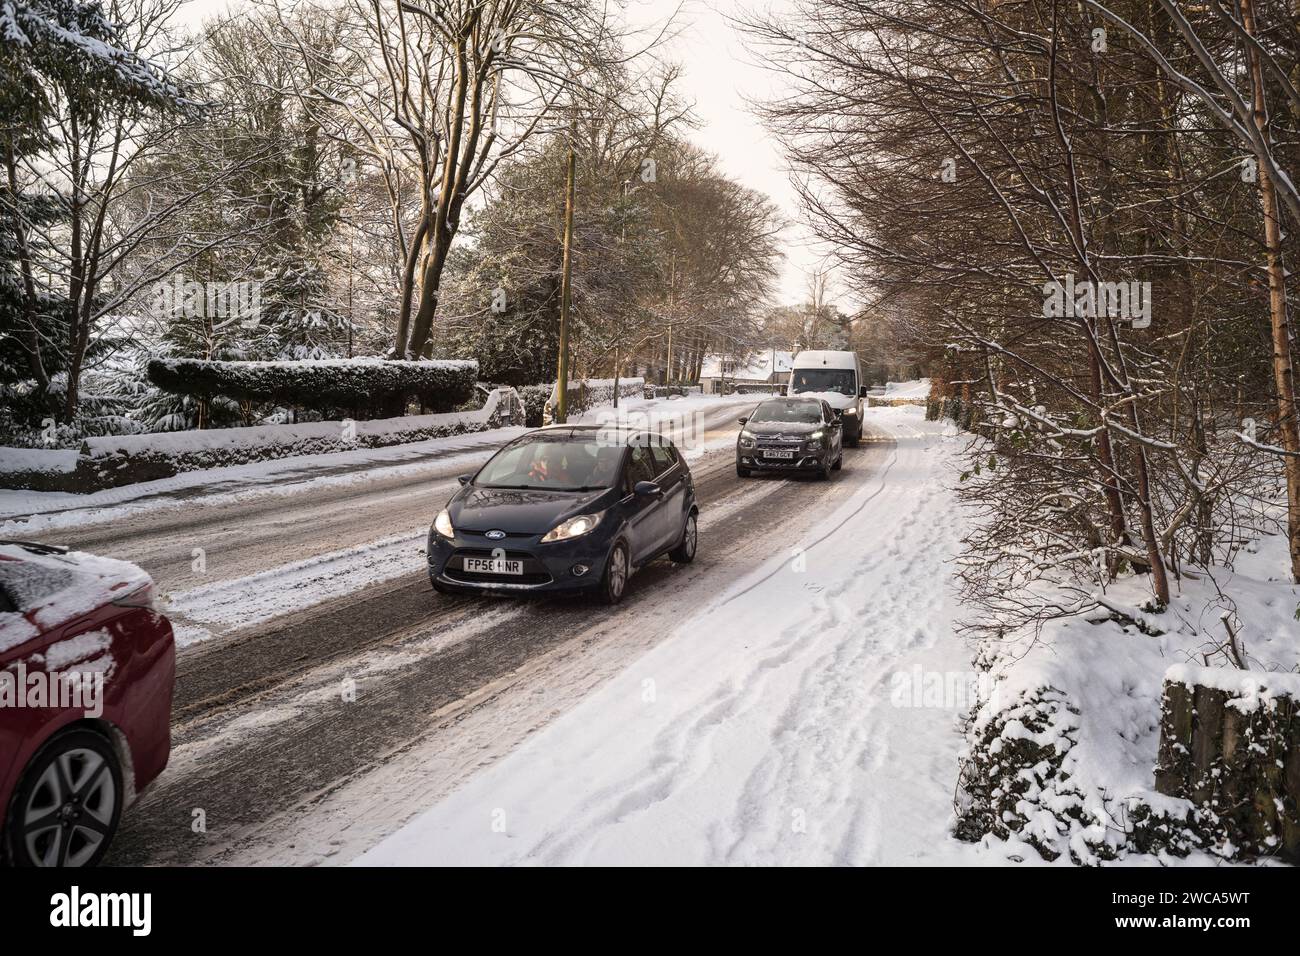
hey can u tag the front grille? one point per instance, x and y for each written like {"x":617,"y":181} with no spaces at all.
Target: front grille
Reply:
{"x":456,"y":574}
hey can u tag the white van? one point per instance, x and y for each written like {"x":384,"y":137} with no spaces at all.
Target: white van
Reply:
{"x":835,"y":377}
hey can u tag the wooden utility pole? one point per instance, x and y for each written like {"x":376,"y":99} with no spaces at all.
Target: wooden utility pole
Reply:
{"x":668,"y":361}
{"x":617,"y":350}
{"x":562,"y":402}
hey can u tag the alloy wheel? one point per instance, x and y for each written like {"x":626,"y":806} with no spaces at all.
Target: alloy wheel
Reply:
{"x":71,"y":810}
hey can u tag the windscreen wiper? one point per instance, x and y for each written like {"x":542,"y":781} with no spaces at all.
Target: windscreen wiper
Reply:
{"x":35,"y":547}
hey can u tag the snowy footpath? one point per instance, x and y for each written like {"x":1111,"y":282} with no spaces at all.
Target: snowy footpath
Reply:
{"x":774,"y":726}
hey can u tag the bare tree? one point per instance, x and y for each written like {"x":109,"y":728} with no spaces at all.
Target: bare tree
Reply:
{"x":467,"y":84}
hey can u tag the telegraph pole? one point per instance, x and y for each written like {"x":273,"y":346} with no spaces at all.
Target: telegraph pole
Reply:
{"x":562,"y":403}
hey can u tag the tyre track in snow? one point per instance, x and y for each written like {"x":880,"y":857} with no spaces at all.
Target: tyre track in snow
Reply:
{"x":263,"y":734}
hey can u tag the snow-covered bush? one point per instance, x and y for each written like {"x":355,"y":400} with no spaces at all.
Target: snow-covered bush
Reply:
{"x":1065,"y":751}
{"x":535,"y":398}
{"x":1016,"y":779}
{"x":365,"y":387}
{"x":663,"y":391}
{"x":590,"y":392}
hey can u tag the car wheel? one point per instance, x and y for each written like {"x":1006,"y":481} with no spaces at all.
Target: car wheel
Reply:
{"x":742,"y":471}
{"x":684,"y":553}
{"x":614,"y":581}
{"x":824,"y":471}
{"x":68,"y":805}
{"x":441,"y":588}
{"x":839,"y":462}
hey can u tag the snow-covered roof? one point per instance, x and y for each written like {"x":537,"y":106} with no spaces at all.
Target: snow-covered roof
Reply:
{"x":755,"y":366}
{"x":826,"y":358}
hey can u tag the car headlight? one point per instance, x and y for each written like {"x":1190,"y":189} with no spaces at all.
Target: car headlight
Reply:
{"x":746,"y":440}
{"x":573,"y":528}
{"x":850,"y":411}
{"x":818,"y":435}
{"x":442,"y":524}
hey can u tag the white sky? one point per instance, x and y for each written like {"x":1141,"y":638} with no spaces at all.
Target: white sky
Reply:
{"x":719,"y":74}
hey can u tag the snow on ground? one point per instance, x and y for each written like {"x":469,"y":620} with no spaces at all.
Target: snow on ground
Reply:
{"x":1112,"y":674}
{"x":28,"y":514}
{"x":257,"y":598}
{"x":768,"y":728}
{"x":33,"y":512}
{"x":917,"y":388}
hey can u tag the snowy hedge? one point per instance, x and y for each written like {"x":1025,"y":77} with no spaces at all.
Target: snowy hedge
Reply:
{"x":117,"y":460}
{"x":590,"y":392}
{"x":363,"y":386}
{"x":37,"y":469}
{"x":752,"y":388}
{"x":535,"y":398}
{"x":664,"y":391}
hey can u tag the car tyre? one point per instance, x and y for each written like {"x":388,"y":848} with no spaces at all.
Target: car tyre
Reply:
{"x":68,"y":804}
{"x":742,"y":471}
{"x":684,"y":553}
{"x":613,"y":583}
{"x":839,"y":462}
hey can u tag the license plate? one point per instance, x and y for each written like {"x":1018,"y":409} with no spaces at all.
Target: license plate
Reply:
{"x":778,"y":454}
{"x":493,"y":565}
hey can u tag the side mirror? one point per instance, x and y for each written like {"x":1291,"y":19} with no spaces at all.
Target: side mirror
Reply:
{"x":862,"y":392}
{"x":837,"y":423}
{"x":647,"y":488}
{"x":742,"y":419}
{"x":464,"y":479}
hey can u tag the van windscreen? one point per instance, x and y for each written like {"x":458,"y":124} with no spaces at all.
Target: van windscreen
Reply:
{"x":823,"y":380}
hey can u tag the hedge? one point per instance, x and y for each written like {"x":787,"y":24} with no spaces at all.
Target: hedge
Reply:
{"x":366,"y":386}
{"x":667,"y":391}
{"x":535,"y":398}
{"x":590,"y":392}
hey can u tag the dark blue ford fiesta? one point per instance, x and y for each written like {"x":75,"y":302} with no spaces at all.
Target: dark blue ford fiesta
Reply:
{"x":569,"y":507}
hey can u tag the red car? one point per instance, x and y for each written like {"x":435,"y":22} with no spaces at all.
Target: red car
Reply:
{"x":86,"y":673}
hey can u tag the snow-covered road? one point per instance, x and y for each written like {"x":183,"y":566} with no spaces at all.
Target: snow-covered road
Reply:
{"x":330,"y":708}
{"x":325,"y":696}
{"x":770,"y":727}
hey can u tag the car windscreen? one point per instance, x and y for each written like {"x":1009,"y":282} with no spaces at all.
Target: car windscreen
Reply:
{"x":808,"y":413}
{"x":28,"y":584}
{"x":823,"y":380}
{"x":554,"y":465}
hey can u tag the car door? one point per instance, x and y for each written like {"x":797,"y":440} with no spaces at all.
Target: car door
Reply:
{"x":834,"y":429}
{"x":642,"y":510}
{"x":671,"y":478}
